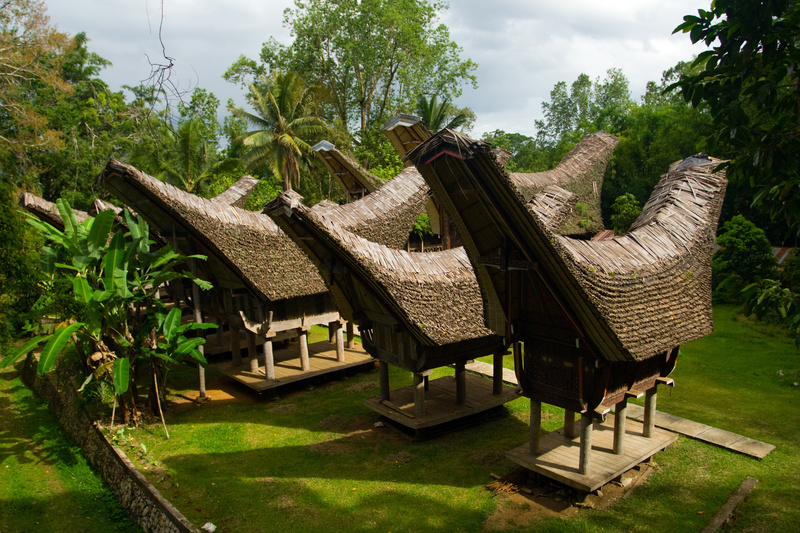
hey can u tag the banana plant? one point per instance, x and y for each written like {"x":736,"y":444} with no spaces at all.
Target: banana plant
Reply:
{"x":114,"y":274}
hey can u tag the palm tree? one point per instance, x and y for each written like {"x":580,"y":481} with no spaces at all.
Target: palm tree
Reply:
{"x":182,"y":157}
{"x":282,"y":126}
{"x":435,"y":115}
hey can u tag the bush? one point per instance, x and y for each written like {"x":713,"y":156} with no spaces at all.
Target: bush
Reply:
{"x":625,"y":211}
{"x":745,"y":252}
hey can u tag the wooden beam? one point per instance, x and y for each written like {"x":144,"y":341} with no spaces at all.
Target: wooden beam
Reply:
{"x":383,"y":368}
{"x":497,"y":373}
{"x":461,"y":383}
{"x":303,"y":339}
{"x":351,"y":343}
{"x":252,"y":352}
{"x":569,"y":423}
{"x":419,"y":394}
{"x":198,"y":318}
{"x":536,"y":426}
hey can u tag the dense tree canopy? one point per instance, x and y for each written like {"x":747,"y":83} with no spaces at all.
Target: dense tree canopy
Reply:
{"x":749,"y":80}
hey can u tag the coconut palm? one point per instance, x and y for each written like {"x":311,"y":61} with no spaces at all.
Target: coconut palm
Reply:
{"x":182,"y":156}
{"x":283,"y":127}
{"x":436,"y":115}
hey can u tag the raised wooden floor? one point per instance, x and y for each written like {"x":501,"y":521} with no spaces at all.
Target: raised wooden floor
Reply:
{"x":560,"y":456}
{"x":322,"y":358}
{"x":440,"y":402}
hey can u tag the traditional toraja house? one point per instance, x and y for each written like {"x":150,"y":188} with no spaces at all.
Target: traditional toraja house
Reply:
{"x":600,"y":321}
{"x":356,"y":181}
{"x":263,"y":283}
{"x":417,"y":311}
{"x":237,"y":194}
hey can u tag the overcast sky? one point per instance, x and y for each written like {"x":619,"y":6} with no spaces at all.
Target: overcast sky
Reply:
{"x":523,"y":47}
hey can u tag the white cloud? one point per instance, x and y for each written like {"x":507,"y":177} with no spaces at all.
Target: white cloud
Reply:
{"x":523,"y":47}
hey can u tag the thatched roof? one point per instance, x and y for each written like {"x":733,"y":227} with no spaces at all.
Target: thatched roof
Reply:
{"x":236,"y":195}
{"x":435,"y":296}
{"x":385,"y":216}
{"x":632,"y":296}
{"x":244,"y":248}
{"x":580,"y":172}
{"x":47,"y":211}
{"x":352,"y":177}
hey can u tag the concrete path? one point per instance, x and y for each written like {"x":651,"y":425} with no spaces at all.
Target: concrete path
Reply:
{"x":695,"y":430}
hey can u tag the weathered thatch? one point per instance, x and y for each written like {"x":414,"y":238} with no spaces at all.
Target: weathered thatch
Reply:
{"x":47,"y":211}
{"x":431,"y":298}
{"x":245,"y":249}
{"x":385,"y":216}
{"x":236,"y":195}
{"x":352,"y":177}
{"x":630,"y":297}
{"x":580,"y":172}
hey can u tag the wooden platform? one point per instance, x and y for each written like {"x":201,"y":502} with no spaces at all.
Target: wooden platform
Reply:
{"x":440,"y":402}
{"x":560,"y":456}
{"x":322,"y":357}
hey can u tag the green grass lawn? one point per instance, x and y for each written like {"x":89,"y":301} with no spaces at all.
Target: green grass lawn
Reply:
{"x":45,"y":483}
{"x":313,"y":460}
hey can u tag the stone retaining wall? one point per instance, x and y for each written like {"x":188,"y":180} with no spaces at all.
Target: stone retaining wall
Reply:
{"x":144,"y":503}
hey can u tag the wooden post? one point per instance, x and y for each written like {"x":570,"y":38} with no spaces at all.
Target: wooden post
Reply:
{"x":419,"y":394}
{"x":339,"y":342}
{"x":569,"y":423}
{"x":587,"y":424}
{"x":331,"y":330}
{"x":461,"y":382}
{"x":198,"y":317}
{"x":236,"y":347}
{"x":620,"y":416}
{"x":305,"y":365}
{"x":383,"y":368}
{"x":536,"y":426}
{"x":497,"y":373}
{"x":351,"y":342}
{"x":650,"y":398}
{"x":252,"y":352}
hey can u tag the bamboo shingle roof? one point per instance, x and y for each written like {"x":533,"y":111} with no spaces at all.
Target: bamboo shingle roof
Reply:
{"x":580,"y":172}
{"x":633,"y":296}
{"x":47,"y":211}
{"x":406,"y":132}
{"x":236,"y":195}
{"x":385,"y":216}
{"x":435,"y":296}
{"x":245,"y":248}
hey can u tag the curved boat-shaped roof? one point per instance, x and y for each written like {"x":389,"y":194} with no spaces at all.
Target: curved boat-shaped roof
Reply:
{"x":434,"y":295}
{"x":580,"y":172}
{"x":632,"y":296}
{"x":350,"y":175}
{"x":236,"y":195}
{"x":245,"y":248}
{"x":385,"y":216}
{"x":47,"y":211}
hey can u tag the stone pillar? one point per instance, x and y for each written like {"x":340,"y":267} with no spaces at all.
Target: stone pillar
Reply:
{"x":305,"y":364}
{"x":650,"y":398}
{"x":587,"y":424}
{"x":620,"y":418}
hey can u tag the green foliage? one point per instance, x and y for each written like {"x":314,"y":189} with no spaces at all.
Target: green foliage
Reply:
{"x":437,"y":116}
{"x":624,"y":212}
{"x":285,"y":126}
{"x":769,"y":301}
{"x":422,"y":226}
{"x":19,"y":275}
{"x":371,"y":56}
{"x":749,"y":80}
{"x":114,"y":280}
{"x":745,"y":252}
